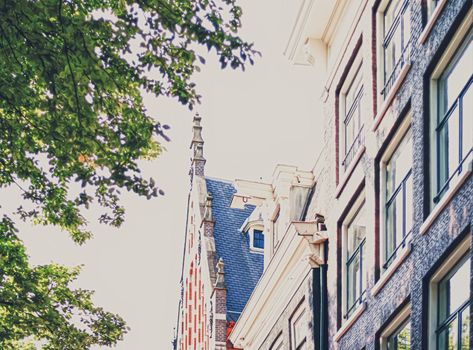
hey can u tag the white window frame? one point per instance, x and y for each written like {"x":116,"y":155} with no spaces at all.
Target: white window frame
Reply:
{"x":395,"y":142}
{"x":345,"y":157}
{"x":251,"y":233}
{"x":449,"y":263}
{"x":398,"y":321}
{"x":299,"y":316}
{"x":276,"y":229}
{"x":384,"y":94}
{"x":443,"y":63}
{"x":277,"y":343}
{"x":360,"y":201}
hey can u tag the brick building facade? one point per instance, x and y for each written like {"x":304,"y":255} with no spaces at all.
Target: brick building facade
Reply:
{"x":375,"y":252}
{"x":220,"y":267}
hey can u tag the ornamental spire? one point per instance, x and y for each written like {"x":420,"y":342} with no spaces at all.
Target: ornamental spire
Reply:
{"x":197,"y":146}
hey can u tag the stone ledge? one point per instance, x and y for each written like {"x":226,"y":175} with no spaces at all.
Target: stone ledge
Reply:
{"x":430,"y":24}
{"x":391,"y":269}
{"x":351,"y":320}
{"x":389,"y":99}
{"x":447,"y":197}
{"x":349,"y":171}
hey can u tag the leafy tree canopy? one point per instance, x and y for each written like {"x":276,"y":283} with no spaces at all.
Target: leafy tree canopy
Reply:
{"x":73,"y":126}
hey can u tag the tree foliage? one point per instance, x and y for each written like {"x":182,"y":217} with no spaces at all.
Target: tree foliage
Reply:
{"x":73,"y":127}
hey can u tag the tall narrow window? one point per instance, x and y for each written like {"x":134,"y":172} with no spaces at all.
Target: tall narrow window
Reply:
{"x":353,"y":121}
{"x":398,"y":199}
{"x":275,"y":231}
{"x":355,"y":260}
{"x":454,"y":124}
{"x":258,"y":239}
{"x":401,"y":338}
{"x":299,"y":329}
{"x":453,"y":325}
{"x":396,"y":41}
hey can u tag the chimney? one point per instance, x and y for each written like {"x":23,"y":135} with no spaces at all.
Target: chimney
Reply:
{"x":197,"y":146}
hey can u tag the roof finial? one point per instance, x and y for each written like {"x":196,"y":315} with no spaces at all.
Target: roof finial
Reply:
{"x":197,"y":146}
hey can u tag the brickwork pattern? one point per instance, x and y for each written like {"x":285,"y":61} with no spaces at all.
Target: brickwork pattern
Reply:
{"x":407,"y":281}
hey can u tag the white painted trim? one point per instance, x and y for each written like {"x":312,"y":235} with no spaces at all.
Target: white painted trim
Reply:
{"x":391,"y":269}
{"x":389,"y":99}
{"x":351,"y":320}
{"x":349,"y":171}
{"x":400,"y":318}
{"x":281,"y":278}
{"x":430,"y":24}
{"x":447,"y":197}
{"x":462,"y":248}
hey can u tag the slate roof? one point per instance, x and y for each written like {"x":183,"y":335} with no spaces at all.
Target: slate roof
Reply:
{"x":243,"y":268}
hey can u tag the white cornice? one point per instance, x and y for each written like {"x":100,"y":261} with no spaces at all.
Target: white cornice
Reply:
{"x":316,"y":19}
{"x":300,"y":248}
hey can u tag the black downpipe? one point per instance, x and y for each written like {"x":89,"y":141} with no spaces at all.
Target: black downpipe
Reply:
{"x":320,"y":304}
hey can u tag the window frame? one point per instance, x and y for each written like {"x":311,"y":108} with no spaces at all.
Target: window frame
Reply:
{"x":252,"y":231}
{"x":275,"y":227}
{"x":347,"y":155}
{"x":450,"y":57}
{"x":277,"y":343}
{"x":394,"y":326}
{"x":359,"y":203}
{"x":385,"y":260}
{"x":387,"y":82}
{"x":448,"y":265}
{"x":299,"y":316}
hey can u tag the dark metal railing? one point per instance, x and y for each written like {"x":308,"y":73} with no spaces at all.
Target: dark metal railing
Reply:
{"x":456,"y":315}
{"x":400,"y":191}
{"x":355,"y":146}
{"x":463,"y":155}
{"x":358,"y":253}
{"x":398,"y":24}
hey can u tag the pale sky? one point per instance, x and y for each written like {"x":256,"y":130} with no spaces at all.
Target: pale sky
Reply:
{"x":251,"y":122}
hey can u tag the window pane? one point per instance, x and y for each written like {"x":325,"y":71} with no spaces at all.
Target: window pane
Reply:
{"x":465,"y":336}
{"x":356,"y":230}
{"x":258,"y":239}
{"x":447,"y":339}
{"x":401,"y":339}
{"x":467,"y":104}
{"x":455,"y":77}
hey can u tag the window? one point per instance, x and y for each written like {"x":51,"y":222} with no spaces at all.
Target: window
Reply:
{"x":401,"y":338}
{"x":278,"y":343}
{"x":397,"y":334}
{"x":258,"y":239}
{"x":452,"y":122}
{"x":275,"y":231}
{"x":398,"y":199}
{"x":299,"y":328}
{"x":351,"y":108}
{"x":449,"y":300}
{"x":396,"y":41}
{"x":453,"y":325}
{"x":355,"y":270}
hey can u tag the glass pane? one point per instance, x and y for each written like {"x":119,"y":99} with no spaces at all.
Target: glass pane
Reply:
{"x":353,"y":281}
{"x":356,"y":230}
{"x":467,"y":104}
{"x":454,"y":79}
{"x":409,"y":205}
{"x":399,"y":164}
{"x":452,"y":290}
{"x":390,"y":14}
{"x":401,"y":339}
{"x":447,"y":338}
{"x":465,"y":336}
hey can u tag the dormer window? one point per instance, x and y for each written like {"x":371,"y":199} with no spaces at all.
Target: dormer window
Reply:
{"x":254,"y":227}
{"x":258,"y":239}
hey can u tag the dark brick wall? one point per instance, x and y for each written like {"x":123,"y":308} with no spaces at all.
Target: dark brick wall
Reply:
{"x":455,"y":219}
